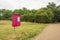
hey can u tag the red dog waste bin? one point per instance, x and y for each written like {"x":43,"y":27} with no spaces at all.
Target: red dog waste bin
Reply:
{"x":15,"y":20}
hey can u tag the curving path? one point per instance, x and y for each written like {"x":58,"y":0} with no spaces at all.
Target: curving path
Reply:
{"x":52,"y":32}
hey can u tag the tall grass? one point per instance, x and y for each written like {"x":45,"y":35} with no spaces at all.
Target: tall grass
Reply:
{"x":24,"y":32}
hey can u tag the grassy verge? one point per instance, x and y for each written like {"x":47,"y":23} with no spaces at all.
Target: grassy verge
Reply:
{"x":24,"y":32}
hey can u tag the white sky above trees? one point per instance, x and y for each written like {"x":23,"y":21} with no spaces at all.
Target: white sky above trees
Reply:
{"x":30,"y":4}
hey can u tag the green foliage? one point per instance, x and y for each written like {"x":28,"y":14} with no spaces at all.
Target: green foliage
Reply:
{"x":48,"y":14}
{"x":6,"y":14}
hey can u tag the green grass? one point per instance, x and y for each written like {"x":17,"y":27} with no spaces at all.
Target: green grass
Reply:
{"x":24,"y":32}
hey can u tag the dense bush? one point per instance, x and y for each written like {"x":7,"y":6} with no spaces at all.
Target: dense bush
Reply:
{"x":48,"y":14}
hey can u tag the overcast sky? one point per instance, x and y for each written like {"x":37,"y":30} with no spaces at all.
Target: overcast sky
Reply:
{"x":30,"y":4}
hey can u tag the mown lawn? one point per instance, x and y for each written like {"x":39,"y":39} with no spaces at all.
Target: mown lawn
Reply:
{"x":24,"y":32}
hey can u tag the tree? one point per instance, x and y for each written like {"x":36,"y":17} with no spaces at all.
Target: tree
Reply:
{"x":6,"y":14}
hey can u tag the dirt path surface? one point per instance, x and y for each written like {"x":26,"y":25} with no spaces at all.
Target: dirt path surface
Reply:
{"x":51,"y":32}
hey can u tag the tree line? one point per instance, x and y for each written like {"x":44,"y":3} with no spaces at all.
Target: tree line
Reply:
{"x":48,"y":14}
